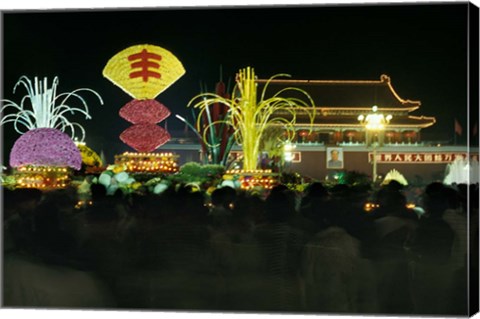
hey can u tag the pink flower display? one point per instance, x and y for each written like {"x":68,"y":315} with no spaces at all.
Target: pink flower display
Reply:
{"x":45,"y":147}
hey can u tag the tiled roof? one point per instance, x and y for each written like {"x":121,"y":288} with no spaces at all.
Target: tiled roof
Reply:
{"x":344,"y":94}
{"x":351,"y":121}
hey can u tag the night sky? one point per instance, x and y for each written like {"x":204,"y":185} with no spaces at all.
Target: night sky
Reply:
{"x":423,"y":48}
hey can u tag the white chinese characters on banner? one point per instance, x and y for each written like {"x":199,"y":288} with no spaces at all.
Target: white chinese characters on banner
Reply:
{"x":421,"y":158}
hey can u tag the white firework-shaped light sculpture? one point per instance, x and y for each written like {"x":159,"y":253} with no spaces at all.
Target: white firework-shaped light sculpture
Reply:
{"x":43,"y":108}
{"x":395,"y":175}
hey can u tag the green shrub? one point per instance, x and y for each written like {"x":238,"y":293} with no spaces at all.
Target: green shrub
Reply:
{"x":193,"y":172}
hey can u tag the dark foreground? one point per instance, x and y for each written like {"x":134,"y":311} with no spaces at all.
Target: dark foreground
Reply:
{"x":316,"y":252}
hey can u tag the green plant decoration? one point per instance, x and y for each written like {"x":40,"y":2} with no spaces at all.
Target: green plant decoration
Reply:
{"x":217,"y":136}
{"x":193,"y":172}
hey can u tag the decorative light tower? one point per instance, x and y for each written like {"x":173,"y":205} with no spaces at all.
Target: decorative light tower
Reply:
{"x":374,"y":124}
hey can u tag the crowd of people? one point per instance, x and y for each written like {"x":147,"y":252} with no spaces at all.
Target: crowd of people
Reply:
{"x":317,"y":252}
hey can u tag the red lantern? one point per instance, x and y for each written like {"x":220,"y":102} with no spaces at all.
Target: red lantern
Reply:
{"x":303,"y":133}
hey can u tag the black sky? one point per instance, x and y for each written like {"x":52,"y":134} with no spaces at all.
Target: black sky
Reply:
{"x":423,"y":48}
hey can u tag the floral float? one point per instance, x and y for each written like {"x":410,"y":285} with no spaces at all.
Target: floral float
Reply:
{"x":45,"y":147}
{"x":44,"y":155}
{"x":251,"y":117}
{"x":144,"y":71}
{"x":44,"y":158}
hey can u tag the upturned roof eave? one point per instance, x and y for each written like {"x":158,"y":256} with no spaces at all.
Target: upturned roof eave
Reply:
{"x":358,"y":108}
{"x":408,"y":105}
{"x":358,"y":126}
{"x":414,"y":122}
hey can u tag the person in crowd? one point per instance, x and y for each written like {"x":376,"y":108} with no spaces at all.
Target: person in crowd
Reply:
{"x":222,"y":203}
{"x":457,"y":218}
{"x":19,"y":210}
{"x":48,"y":272}
{"x":394,"y":229}
{"x":431,"y":250}
{"x":273,"y":252}
{"x":180,"y":272}
{"x":313,"y":205}
{"x":280,"y":245}
{"x":331,"y":260}
{"x":237,"y":257}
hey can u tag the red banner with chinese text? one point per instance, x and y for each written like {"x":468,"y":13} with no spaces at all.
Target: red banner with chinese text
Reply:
{"x":420,"y":158}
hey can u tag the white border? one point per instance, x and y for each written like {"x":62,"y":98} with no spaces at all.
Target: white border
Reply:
{"x":97,"y":4}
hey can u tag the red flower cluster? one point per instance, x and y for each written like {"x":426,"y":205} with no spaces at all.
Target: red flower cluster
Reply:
{"x":144,"y":135}
{"x":144,"y":111}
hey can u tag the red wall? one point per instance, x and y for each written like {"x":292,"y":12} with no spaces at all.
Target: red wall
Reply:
{"x":313,"y":164}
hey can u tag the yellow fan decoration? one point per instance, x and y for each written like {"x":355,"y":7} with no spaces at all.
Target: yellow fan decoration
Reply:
{"x":89,"y":156}
{"x":143,"y":71}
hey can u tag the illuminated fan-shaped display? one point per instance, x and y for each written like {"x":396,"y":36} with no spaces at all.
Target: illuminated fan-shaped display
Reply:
{"x":144,"y":70}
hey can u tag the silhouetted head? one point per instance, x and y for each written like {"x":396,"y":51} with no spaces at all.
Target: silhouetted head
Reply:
{"x":438,"y":198}
{"x":394,"y":186}
{"x":98,"y":191}
{"x":280,"y":188}
{"x":22,"y":200}
{"x":317,"y":190}
{"x":224,"y":196}
{"x":340,"y":190}
{"x":280,"y":206}
{"x":391,"y":199}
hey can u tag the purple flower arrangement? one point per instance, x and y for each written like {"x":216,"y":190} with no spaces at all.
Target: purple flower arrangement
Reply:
{"x":45,"y":147}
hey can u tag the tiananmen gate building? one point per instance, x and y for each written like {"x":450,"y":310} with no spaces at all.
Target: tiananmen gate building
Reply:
{"x":338,"y":104}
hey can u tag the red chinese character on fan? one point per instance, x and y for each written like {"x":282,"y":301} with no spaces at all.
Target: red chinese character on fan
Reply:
{"x":145,"y":63}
